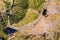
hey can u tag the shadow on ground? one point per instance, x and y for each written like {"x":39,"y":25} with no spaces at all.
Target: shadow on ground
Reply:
{"x":9,"y":30}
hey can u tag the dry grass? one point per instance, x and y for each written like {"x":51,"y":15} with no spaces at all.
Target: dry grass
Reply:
{"x":30,"y":17}
{"x":58,"y":4}
{"x":52,"y":18}
{"x":2,"y":6}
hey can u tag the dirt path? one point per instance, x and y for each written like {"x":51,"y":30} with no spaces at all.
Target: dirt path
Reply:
{"x":47,"y":24}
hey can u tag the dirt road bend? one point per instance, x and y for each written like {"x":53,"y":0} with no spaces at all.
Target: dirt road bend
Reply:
{"x":48,"y":23}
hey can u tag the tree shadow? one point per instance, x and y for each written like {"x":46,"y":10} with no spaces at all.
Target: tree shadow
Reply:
{"x":9,"y":30}
{"x":44,"y":12}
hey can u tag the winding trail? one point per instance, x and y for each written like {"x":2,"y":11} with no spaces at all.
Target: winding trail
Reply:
{"x":47,"y":24}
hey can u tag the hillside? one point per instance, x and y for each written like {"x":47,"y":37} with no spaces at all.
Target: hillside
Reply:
{"x":18,"y":13}
{"x":48,"y":28}
{"x":29,"y":19}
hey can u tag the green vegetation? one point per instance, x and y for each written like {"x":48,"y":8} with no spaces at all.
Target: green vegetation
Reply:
{"x":30,"y":17}
{"x":3,"y":24}
{"x":20,"y":18}
{"x":19,"y":10}
{"x":2,"y":34}
{"x":35,"y":4}
{"x":7,"y":3}
{"x":19,"y":13}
